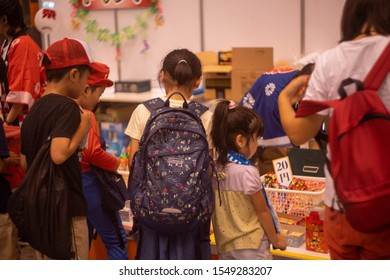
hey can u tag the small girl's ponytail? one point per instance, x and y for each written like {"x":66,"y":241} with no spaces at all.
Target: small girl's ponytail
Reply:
{"x":219,"y":129}
{"x":182,"y":73}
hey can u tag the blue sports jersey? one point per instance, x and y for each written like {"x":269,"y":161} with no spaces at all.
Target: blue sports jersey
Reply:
{"x":262,"y":97}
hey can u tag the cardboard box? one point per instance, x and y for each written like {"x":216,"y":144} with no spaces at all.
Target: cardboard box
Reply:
{"x":217,"y":71}
{"x":116,"y":112}
{"x":253,"y":58}
{"x":132,"y":86}
{"x":217,"y":80}
{"x":295,"y":235}
{"x":212,"y":73}
{"x":242,"y":81}
{"x":211,"y":93}
{"x":247,"y":66}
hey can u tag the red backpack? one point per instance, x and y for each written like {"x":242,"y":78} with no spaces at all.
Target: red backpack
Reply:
{"x":359,"y":140}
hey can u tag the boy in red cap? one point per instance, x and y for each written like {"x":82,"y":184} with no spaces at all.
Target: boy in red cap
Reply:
{"x":109,"y":228}
{"x":68,"y":64}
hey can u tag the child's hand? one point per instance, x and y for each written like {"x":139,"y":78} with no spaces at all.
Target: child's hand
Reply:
{"x":13,"y":159}
{"x":86,"y":121}
{"x":280,"y":243}
{"x":296,"y":89}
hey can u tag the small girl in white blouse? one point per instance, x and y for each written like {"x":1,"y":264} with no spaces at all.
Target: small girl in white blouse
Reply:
{"x":243,"y":224}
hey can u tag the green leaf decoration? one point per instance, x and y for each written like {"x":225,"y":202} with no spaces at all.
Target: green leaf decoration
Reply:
{"x":153,"y":10}
{"x":116,"y":39}
{"x":81,"y":13}
{"x":143,"y":24}
{"x":92,"y":26}
{"x":129,"y":32}
{"x":105,"y":35}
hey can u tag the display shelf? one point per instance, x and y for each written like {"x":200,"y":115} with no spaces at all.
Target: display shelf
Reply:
{"x":300,"y":254}
{"x":131,"y":97}
{"x":134,"y":97}
{"x":291,"y":253}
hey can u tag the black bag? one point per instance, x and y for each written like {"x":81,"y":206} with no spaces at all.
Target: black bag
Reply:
{"x":112,"y":188}
{"x":40,"y":207}
{"x":307,"y":162}
{"x":114,"y":195}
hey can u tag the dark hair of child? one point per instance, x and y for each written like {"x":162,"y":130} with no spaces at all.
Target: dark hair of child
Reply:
{"x":230,"y":122}
{"x":182,"y":67}
{"x":306,"y":70}
{"x":364,"y":17}
{"x":55,"y":75}
{"x":14,"y":13}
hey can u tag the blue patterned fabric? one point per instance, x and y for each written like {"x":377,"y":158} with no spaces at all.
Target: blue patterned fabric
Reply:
{"x":171,"y":187}
{"x":262,"y":97}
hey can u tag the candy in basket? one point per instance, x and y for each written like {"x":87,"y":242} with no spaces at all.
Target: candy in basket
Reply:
{"x":297,"y":199}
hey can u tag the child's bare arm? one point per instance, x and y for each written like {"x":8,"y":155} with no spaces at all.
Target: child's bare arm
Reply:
{"x":134,"y":146}
{"x":23,"y":162}
{"x":13,"y":159}
{"x":265,"y":218}
{"x":62,"y":148}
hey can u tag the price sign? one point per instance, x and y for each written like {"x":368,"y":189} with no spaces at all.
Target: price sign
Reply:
{"x":283,"y":171}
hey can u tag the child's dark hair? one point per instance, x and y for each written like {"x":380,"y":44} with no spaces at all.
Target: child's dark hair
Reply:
{"x":306,"y":70}
{"x":14,"y":13}
{"x":55,"y":75}
{"x":364,"y":17}
{"x":228,"y":122}
{"x":183,"y":67}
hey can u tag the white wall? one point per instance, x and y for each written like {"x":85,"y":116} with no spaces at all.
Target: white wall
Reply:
{"x":322,"y":24}
{"x":227,"y":24}
{"x":253,"y":23}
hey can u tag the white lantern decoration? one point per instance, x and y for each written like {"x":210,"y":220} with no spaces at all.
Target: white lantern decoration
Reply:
{"x":45,"y":21}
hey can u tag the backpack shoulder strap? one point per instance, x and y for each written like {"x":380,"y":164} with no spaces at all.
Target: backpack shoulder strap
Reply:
{"x":373,"y":81}
{"x":379,"y":71}
{"x":197,"y":108}
{"x":154,"y":104}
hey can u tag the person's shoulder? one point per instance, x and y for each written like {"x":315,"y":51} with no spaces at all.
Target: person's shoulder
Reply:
{"x":25,"y":42}
{"x":93,"y":118}
{"x":208,"y":114}
{"x":241,"y":168}
{"x":141,"y":109}
{"x":52,"y":99}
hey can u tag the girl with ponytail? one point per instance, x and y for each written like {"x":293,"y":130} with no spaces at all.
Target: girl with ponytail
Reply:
{"x":243,"y":224}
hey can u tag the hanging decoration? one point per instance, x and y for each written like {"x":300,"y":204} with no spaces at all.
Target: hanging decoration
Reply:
{"x":114,"y":4}
{"x":45,"y":20}
{"x":81,"y":11}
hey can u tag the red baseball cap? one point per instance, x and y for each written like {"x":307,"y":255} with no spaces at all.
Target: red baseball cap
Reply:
{"x":99,"y":75}
{"x":68,"y":52}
